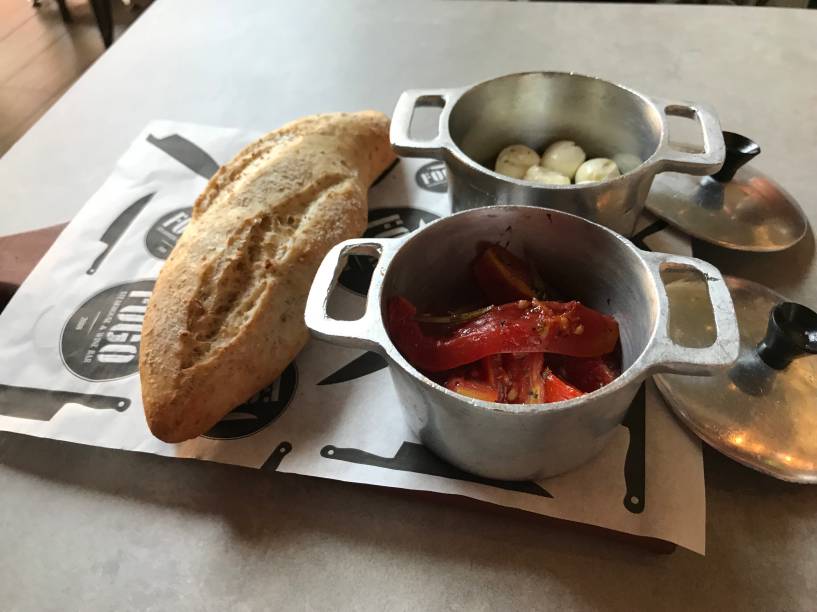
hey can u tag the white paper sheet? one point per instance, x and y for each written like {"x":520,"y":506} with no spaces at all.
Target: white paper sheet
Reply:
{"x":69,"y":341}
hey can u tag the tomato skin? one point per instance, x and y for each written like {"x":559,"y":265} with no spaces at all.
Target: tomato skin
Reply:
{"x":557,"y":390}
{"x":502,"y":276}
{"x":586,"y":373}
{"x":491,"y":369}
{"x":568,"y":328}
{"x":525,"y":375}
{"x":472,"y":388}
{"x":520,"y":378}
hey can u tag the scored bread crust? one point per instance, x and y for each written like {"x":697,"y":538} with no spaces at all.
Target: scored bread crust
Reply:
{"x":226,"y":314}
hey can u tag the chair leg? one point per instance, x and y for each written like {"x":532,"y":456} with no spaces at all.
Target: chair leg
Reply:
{"x":104,"y":19}
{"x":66,"y":15}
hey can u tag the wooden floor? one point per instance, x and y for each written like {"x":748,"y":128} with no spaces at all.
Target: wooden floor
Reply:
{"x":41,"y":57}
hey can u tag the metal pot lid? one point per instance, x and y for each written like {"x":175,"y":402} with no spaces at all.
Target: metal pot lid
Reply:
{"x":762,"y":411}
{"x":737,"y":208}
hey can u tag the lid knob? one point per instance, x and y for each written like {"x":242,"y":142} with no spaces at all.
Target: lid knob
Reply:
{"x":792,"y":333}
{"x":739,"y":150}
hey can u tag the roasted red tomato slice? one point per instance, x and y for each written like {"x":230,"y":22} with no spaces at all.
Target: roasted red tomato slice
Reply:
{"x":513,"y":378}
{"x":472,"y":388}
{"x":557,"y":390}
{"x":493,"y":373}
{"x":525,"y":373}
{"x":520,"y":327}
{"x":586,"y":373}
{"x":502,"y":276}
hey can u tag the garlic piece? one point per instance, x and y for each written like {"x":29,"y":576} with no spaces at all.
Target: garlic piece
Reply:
{"x":515,"y":160}
{"x":564,"y":157}
{"x":538,"y":174}
{"x":597,"y":169}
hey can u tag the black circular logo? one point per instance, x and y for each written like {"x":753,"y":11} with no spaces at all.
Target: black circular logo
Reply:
{"x":383,"y":223}
{"x":432,"y":177}
{"x":260,"y":410}
{"x":162,"y":237}
{"x":101,"y":339}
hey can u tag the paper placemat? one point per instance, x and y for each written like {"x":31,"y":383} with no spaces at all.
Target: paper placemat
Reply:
{"x":69,"y":342}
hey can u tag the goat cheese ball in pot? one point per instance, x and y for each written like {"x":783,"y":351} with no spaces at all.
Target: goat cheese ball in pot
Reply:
{"x":515,"y":160}
{"x":564,"y":157}
{"x":596,"y":170}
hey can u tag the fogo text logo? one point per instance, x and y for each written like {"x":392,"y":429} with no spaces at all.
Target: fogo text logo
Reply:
{"x":162,"y":236}
{"x":101,"y":339}
{"x":432,"y":177}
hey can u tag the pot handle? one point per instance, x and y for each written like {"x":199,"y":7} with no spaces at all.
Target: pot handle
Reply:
{"x":666,"y":354}
{"x":676,"y":160}
{"x":367,"y":331}
{"x":401,"y":142}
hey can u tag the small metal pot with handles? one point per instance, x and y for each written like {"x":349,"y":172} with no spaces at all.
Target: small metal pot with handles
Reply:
{"x":538,"y":108}
{"x":585,"y":261}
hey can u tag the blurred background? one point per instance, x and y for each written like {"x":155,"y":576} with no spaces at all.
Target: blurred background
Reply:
{"x":46,"y":45}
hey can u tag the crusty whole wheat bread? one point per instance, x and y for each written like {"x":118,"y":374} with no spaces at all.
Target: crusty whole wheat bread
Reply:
{"x":226,"y":314}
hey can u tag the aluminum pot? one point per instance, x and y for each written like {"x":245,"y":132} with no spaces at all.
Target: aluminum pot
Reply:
{"x":431,"y":267}
{"x":538,"y":108}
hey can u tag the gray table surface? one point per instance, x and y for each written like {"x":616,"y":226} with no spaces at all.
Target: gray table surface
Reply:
{"x":85,"y":528}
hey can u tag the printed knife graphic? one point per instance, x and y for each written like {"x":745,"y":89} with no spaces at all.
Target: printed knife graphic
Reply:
{"x":634,"y":463}
{"x":386,"y":172}
{"x":368,"y":363}
{"x":43,"y":404}
{"x":413,"y":457}
{"x":117,"y":228}
{"x":653,"y":228}
{"x":274,"y":460}
{"x":187,"y":153}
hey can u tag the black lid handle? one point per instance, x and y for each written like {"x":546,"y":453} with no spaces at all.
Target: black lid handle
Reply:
{"x":792,"y":333}
{"x":739,"y":150}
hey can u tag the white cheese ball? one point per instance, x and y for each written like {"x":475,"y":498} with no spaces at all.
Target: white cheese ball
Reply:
{"x":538,"y":174}
{"x":597,"y":169}
{"x":564,"y":157}
{"x":515,"y":160}
{"x":626,"y":162}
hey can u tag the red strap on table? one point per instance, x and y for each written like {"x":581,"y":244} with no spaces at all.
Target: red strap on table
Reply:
{"x":19,"y":253}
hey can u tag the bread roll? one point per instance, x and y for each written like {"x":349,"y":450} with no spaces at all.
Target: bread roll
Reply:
{"x":226,"y":314}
